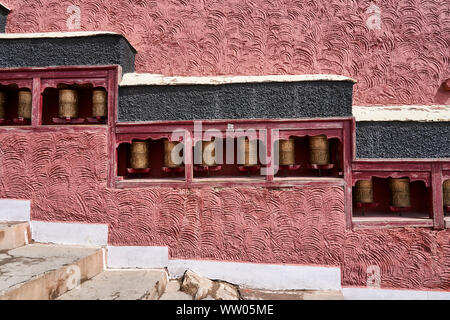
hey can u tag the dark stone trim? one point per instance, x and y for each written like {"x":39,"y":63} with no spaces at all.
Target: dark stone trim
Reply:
{"x":306,"y":99}
{"x":396,"y":139}
{"x":67,"y":51}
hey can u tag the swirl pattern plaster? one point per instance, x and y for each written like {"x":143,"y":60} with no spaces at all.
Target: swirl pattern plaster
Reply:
{"x":64,"y":175}
{"x":403,"y":62}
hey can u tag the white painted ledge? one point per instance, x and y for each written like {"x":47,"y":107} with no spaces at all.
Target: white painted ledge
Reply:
{"x":390,"y":294}
{"x":14,"y":210}
{"x":402,"y":113}
{"x":137,"y":257}
{"x":42,"y":35}
{"x":3,"y":6}
{"x":148,"y":79}
{"x":69,"y":233}
{"x":253,"y":275}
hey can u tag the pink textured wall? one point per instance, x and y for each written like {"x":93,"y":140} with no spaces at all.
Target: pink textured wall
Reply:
{"x":405,"y":62}
{"x":64,"y":175}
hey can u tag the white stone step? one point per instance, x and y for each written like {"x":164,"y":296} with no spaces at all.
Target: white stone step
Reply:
{"x":46,"y":271}
{"x":14,"y":234}
{"x":132,"y":284}
{"x":173,"y":292}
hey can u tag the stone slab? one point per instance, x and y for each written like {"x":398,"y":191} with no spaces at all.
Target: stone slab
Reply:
{"x":121,"y":285}
{"x":14,"y":234}
{"x":45,"y":271}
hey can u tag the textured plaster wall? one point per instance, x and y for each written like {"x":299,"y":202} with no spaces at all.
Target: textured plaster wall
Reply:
{"x":403,"y":62}
{"x":64,"y":175}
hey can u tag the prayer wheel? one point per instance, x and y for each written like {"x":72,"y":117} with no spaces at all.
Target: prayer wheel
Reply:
{"x":446,"y":190}
{"x":2,"y":105}
{"x":287,"y":152}
{"x":364,"y":191}
{"x":24,"y":104}
{"x":209,"y":153}
{"x":139,"y":158}
{"x":400,"y":192}
{"x":248,"y":151}
{"x":319,"y":151}
{"x":68,"y":103}
{"x":169,"y":162}
{"x":99,"y":103}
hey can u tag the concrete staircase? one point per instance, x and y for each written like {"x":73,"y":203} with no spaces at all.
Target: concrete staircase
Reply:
{"x":37,"y":271}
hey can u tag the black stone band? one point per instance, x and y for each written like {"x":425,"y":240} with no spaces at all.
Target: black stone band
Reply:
{"x":396,"y":139}
{"x":70,"y":51}
{"x":312,"y":99}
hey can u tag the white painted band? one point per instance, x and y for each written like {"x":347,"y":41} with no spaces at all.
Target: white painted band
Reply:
{"x":253,"y":275}
{"x":390,"y":294}
{"x":402,"y":113}
{"x":69,"y":233}
{"x":14,"y":210}
{"x":148,"y":79}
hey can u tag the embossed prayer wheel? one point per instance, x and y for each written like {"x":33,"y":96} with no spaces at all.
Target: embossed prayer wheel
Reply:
{"x":139,"y":158}
{"x":248,"y":151}
{"x":99,"y":103}
{"x":364,"y":191}
{"x":24,"y":104}
{"x":400,"y":192}
{"x":446,"y":190}
{"x":169,"y":161}
{"x":68,"y":103}
{"x":209,"y":153}
{"x":2,"y":105}
{"x":287,"y":152}
{"x":319,"y":150}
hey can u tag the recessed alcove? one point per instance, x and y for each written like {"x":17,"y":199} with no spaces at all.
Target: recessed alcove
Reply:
{"x":83,"y":112}
{"x":240,"y":159}
{"x":382,"y":207}
{"x":156,"y":168}
{"x":302,"y":165}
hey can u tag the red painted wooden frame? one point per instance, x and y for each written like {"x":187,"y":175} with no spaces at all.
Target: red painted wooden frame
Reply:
{"x":431,"y":171}
{"x":335,"y":127}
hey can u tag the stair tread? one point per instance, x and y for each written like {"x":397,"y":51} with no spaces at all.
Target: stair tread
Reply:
{"x":23,"y":264}
{"x":120,"y":285}
{"x":14,"y":234}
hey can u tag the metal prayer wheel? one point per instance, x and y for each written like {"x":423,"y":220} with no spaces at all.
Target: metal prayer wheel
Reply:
{"x":209,"y":153}
{"x":139,"y":155}
{"x":2,"y":105}
{"x":248,"y":151}
{"x":400,"y":192}
{"x":287,"y":152}
{"x":446,"y":190}
{"x":364,"y":191}
{"x":68,"y":103}
{"x":24,"y":104}
{"x":319,"y":150}
{"x":169,"y":162}
{"x":99,"y":103}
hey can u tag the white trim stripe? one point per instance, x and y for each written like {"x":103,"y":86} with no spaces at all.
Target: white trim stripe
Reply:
{"x":148,"y":79}
{"x":391,"y":294}
{"x":69,"y":233}
{"x":14,"y":210}
{"x":402,"y":113}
